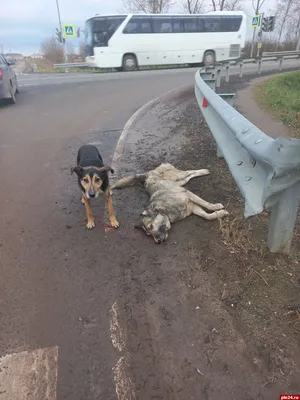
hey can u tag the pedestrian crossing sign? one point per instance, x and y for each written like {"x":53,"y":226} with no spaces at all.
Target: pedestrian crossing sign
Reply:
{"x":255,"y":21}
{"x":69,"y":30}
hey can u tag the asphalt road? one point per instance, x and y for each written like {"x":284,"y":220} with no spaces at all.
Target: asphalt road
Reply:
{"x":59,"y":282}
{"x":136,"y":76}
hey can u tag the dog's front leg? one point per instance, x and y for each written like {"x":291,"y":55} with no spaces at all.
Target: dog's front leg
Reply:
{"x":89,"y":213}
{"x":112,"y":217}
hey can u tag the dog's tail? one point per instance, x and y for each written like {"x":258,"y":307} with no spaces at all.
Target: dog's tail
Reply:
{"x":131,"y":180}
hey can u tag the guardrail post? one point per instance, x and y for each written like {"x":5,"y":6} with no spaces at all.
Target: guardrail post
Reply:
{"x":259,"y":67}
{"x":205,"y":75}
{"x":283,"y":219}
{"x":280,"y":63}
{"x":211,"y":83}
{"x":241,"y":69}
{"x":218,"y":82}
{"x":227,"y":73}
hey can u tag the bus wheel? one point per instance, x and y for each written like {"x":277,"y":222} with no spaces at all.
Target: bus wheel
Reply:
{"x":209,"y":58}
{"x":129,"y":63}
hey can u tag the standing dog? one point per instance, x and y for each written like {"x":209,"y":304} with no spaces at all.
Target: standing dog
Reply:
{"x":169,"y":201}
{"x":93,"y":180}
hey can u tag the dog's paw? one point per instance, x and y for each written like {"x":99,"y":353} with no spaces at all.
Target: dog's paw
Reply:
{"x":218,"y":206}
{"x":115,"y":224}
{"x":90,"y":225}
{"x":206,"y":172}
{"x":222,"y":214}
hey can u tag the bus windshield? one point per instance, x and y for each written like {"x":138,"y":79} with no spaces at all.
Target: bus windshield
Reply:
{"x":99,"y":30}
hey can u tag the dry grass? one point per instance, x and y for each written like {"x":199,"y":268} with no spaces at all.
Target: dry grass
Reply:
{"x":238,"y":236}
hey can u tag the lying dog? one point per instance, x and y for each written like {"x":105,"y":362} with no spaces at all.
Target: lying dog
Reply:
{"x":93,"y":180}
{"x":169,"y":201}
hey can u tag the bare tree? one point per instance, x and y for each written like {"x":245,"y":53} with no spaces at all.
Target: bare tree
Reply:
{"x":298,"y":34}
{"x":194,"y":6}
{"x":288,"y":16}
{"x":284,"y":9}
{"x":226,"y":5}
{"x":52,"y":50}
{"x":147,"y":6}
{"x":81,"y":50}
{"x":233,"y":5}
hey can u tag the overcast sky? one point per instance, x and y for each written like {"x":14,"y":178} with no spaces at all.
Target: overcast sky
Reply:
{"x":25,"y":23}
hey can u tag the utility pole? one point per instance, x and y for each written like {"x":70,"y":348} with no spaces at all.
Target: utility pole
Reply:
{"x":61,"y":30}
{"x":298,"y":40}
{"x":254,"y":30}
{"x":259,"y":44}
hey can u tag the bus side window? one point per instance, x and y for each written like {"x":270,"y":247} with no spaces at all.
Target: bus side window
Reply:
{"x":190,"y":25}
{"x":212,"y":24}
{"x":162,"y":25}
{"x":132,"y":26}
{"x":145,"y":25}
{"x":200,"y":25}
{"x":177,"y":25}
{"x":230,"y":24}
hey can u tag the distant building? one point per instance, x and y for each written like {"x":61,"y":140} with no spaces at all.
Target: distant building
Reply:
{"x":14,"y":56}
{"x":37,"y":55}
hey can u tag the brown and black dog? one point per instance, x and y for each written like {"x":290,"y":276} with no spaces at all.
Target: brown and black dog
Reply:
{"x":93,"y":180}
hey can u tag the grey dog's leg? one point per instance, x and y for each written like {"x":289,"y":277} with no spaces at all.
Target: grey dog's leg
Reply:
{"x":202,"y":203}
{"x":188,"y":175}
{"x":215,"y":215}
{"x":130,"y":180}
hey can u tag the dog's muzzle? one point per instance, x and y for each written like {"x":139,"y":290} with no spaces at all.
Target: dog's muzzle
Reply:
{"x":160,"y":239}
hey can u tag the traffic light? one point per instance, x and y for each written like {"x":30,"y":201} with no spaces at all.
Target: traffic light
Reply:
{"x":59,"y":36}
{"x":271,"y":23}
{"x":268,"y":24}
{"x":78,"y":32}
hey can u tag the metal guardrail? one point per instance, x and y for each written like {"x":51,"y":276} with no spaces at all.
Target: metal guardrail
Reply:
{"x":266,"y":170}
{"x":216,"y":69}
{"x":227,"y":64}
{"x":281,"y":53}
{"x":71,"y":65}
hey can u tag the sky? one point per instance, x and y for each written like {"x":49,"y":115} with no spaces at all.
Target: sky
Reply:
{"x":24,"y":24}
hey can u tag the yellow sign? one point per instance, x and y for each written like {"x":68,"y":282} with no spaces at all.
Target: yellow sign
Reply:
{"x":259,"y":45}
{"x":69,"y":30}
{"x":255,"y":23}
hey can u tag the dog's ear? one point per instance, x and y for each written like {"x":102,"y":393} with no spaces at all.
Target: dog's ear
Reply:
{"x":106,"y":169}
{"x":147,"y":213}
{"x":78,"y":170}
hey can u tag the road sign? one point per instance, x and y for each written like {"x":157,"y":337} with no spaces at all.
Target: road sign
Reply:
{"x":255,"y":21}
{"x":69,"y":30}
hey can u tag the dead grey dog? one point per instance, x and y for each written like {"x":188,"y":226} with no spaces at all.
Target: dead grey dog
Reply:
{"x":169,"y":201}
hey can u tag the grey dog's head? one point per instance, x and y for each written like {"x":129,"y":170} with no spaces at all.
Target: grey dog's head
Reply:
{"x":155,"y":224}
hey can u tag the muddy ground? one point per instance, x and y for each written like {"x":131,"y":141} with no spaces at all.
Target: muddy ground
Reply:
{"x":211,"y":313}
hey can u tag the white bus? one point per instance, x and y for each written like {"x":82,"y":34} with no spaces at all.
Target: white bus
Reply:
{"x":131,"y":41}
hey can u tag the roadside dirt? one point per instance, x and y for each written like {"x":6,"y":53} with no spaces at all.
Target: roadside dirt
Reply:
{"x":210,"y":314}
